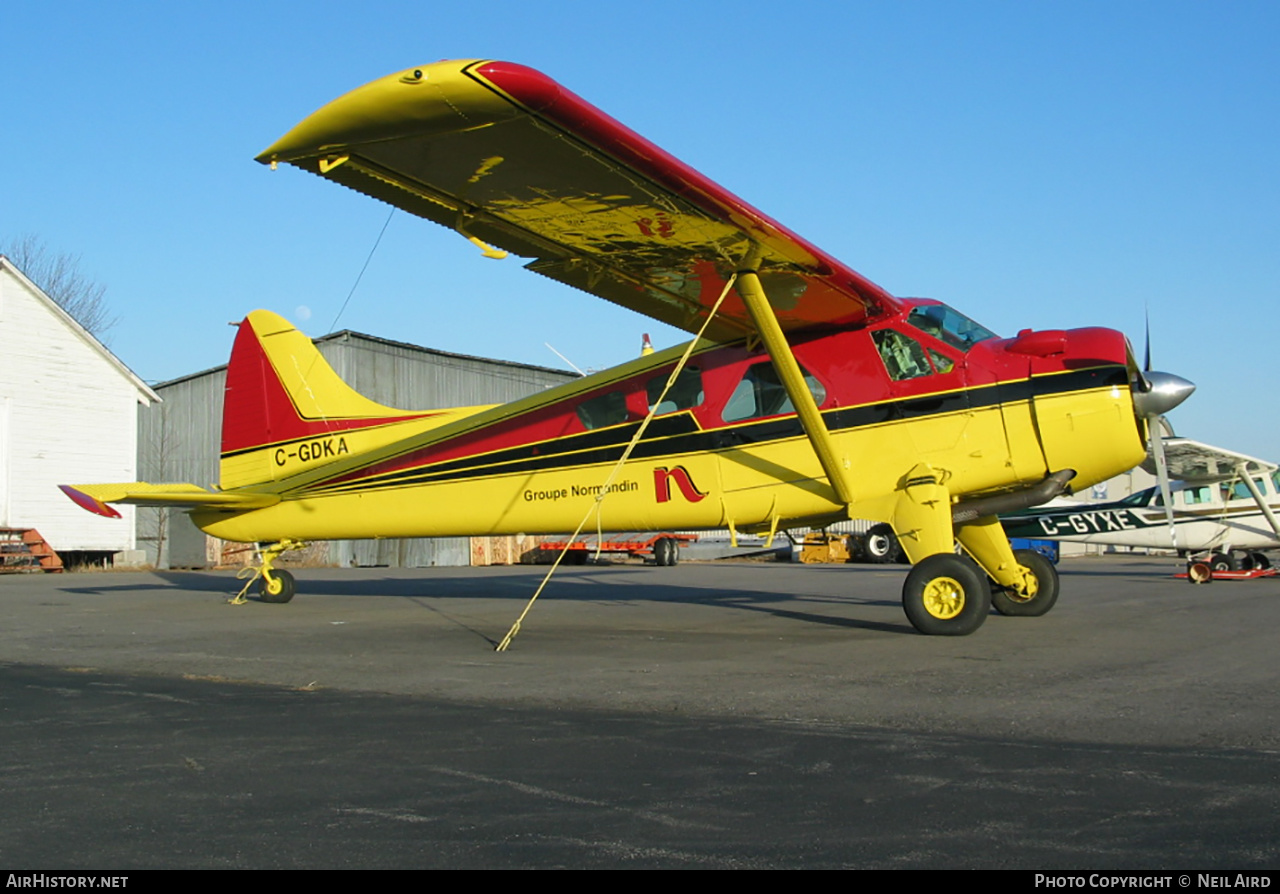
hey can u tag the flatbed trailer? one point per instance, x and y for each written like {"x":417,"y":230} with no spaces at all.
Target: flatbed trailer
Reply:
{"x":663,"y":547}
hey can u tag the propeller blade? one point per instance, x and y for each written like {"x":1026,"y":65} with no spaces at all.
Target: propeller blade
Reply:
{"x":1155,"y":424}
{"x":1146,"y":319}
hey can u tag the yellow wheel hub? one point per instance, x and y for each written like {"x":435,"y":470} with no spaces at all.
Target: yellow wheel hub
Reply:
{"x":944,"y":598}
{"x":1030,"y":586}
{"x":274,"y":586}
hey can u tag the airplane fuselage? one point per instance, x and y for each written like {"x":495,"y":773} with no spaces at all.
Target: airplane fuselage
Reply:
{"x":725,"y":448}
{"x":1208,"y":516}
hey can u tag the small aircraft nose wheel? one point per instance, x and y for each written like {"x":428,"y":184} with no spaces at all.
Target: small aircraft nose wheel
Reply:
{"x":1040,"y":595}
{"x":278,"y":588}
{"x":946,"y":595}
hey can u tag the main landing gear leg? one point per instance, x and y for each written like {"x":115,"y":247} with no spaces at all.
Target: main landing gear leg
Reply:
{"x":1026,"y":583}
{"x":273,"y":586}
{"x":944,"y":594}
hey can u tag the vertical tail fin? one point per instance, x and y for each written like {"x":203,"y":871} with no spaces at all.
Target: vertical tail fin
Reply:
{"x":281,"y":398}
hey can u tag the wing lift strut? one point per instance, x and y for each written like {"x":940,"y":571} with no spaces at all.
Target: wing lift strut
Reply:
{"x":944,"y":593}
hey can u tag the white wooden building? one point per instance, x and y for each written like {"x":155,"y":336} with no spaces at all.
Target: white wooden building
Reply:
{"x":68,"y":415}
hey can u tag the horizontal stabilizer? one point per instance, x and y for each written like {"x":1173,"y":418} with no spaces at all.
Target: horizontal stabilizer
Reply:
{"x":95,"y":497}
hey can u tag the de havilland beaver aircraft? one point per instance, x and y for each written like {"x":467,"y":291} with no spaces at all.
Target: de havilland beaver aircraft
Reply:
{"x":810,"y":395}
{"x":1221,"y":506}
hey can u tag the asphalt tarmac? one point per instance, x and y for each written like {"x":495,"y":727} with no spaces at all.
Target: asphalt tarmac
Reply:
{"x":741,"y":715}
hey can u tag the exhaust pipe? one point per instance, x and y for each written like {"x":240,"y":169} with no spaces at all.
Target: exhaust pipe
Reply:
{"x":1052,"y":486}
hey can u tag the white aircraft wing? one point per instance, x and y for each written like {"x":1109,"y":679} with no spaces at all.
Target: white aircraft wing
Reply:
{"x":1192,"y":461}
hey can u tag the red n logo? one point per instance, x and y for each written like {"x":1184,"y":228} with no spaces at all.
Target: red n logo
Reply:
{"x":662,"y":478}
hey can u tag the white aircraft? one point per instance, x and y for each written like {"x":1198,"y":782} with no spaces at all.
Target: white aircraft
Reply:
{"x":1223,"y":504}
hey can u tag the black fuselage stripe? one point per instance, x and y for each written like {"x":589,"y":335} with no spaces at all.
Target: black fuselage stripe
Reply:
{"x":679,"y":434}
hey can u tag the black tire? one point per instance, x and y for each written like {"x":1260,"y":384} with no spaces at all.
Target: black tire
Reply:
{"x":1007,"y":602}
{"x":882,"y":545}
{"x":1224,"y":562}
{"x":946,"y":595}
{"x":662,"y":552}
{"x":279,"y":589}
{"x":673,"y":552}
{"x":1256,"y":562}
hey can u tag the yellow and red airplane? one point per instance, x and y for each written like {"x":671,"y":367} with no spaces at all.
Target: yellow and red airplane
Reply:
{"x":811,"y":394}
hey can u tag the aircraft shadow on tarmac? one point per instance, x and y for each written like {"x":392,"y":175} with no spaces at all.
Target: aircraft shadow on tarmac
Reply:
{"x":613,"y":584}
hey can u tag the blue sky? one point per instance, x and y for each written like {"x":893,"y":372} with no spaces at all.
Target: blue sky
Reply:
{"x":1046,"y":165}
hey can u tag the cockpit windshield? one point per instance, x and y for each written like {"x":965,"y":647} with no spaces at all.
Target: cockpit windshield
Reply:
{"x":949,"y":325}
{"x":1142,"y":498}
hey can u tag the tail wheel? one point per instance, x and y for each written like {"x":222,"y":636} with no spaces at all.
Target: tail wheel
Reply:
{"x":1044,"y":592}
{"x":882,"y":545}
{"x":946,"y":595}
{"x":278,"y":589}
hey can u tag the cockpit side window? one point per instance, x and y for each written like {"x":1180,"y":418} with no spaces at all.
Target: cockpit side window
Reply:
{"x":903,"y":357}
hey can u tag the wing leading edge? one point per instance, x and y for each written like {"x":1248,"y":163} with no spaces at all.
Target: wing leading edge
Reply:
{"x":502,"y":153}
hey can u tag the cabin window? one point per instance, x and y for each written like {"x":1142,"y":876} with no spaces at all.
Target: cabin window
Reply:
{"x":760,"y":393}
{"x":685,"y":394}
{"x":603,"y":410}
{"x":949,"y":326}
{"x":1193,"y":496}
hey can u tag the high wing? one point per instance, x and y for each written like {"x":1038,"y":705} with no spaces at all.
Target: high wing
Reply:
{"x":1193,"y":461}
{"x":503,"y":154}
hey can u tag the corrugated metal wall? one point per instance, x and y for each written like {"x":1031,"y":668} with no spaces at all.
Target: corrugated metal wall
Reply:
{"x":178,"y":440}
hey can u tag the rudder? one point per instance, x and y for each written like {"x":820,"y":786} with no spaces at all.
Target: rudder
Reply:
{"x":281,"y":393}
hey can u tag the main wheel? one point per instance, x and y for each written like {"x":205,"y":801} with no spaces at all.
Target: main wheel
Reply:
{"x":1224,"y":562}
{"x":279,"y":589}
{"x":946,"y":595}
{"x":882,"y":545}
{"x":673,"y":551}
{"x":1257,"y":562}
{"x":1042,"y":598}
